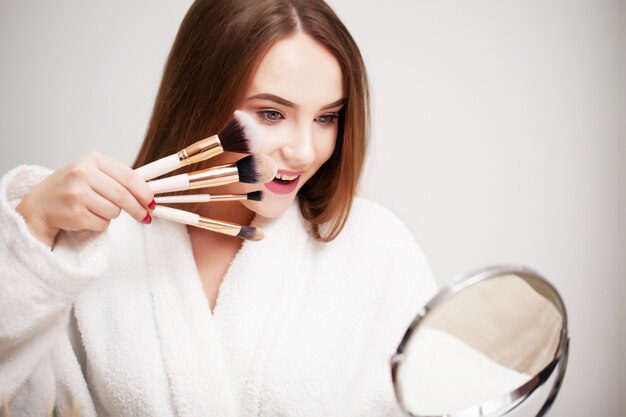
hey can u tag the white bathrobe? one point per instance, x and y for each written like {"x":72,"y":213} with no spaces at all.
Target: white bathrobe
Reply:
{"x":118,"y":321}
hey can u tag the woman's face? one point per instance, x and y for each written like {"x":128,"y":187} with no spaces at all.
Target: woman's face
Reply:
{"x":295,"y":97}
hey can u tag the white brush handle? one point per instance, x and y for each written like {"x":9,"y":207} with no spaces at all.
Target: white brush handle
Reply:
{"x":176,"y":215}
{"x":169,"y":184}
{"x":159,"y":167}
{"x":188,"y":198}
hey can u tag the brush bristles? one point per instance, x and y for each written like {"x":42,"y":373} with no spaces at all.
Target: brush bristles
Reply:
{"x":256,"y":169}
{"x":251,"y":233}
{"x":241,"y":134}
{"x":255,"y":196}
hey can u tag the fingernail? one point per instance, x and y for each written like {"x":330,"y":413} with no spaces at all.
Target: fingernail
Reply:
{"x":147,"y":219}
{"x":152,"y":204}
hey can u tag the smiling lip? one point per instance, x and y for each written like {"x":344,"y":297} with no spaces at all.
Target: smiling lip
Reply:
{"x":284,"y":188}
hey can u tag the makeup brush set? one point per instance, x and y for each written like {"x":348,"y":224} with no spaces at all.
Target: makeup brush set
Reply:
{"x":240,"y":135}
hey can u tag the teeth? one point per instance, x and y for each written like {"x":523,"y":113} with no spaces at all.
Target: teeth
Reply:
{"x":286,"y":177}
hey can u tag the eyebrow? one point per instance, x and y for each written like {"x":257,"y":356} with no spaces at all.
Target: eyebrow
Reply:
{"x":287,"y":103}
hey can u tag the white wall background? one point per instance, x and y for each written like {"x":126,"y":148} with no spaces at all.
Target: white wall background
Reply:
{"x":499,"y":134}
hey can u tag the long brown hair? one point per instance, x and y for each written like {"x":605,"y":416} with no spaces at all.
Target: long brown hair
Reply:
{"x":217,"y":49}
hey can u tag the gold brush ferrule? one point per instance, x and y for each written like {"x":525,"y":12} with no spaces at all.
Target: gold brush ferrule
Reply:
{"x":200,"y":151}
{"x":229,"y":197}
{"x":218,"y":226}
{"x":212,"y":177}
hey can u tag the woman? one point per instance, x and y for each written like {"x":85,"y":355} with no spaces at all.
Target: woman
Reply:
{"x":133,"y":319}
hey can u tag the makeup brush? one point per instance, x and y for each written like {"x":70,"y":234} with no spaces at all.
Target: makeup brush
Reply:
{"x":241,"y":135}
{"x":193,"y":219}
{"x":206,"y":198}
{"x":253,"y":169}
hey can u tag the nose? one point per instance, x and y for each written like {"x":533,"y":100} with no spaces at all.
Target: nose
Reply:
{"x":298,"y":149}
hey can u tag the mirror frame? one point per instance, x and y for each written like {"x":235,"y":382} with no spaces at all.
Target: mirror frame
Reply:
{"x":507,"y":402}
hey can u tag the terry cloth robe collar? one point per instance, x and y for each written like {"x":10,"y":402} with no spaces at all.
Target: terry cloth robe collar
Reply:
{"x":215,"y":362}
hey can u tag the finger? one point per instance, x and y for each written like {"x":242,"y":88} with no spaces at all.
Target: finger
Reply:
{"x":92,"y":221}
{"x":117,"y":194}
{"x":84,"y":219}
{"x":127,"y":177}
{"x":101,"y":207}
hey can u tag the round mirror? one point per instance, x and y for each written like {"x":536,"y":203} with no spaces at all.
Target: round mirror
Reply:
{"x":482,"y":346}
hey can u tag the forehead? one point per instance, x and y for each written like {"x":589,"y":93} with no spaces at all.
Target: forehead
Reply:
{"x":301,"y":70}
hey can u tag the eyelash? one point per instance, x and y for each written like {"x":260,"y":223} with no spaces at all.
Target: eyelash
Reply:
{"x":263,"y":115}
{"x":333,"y":118}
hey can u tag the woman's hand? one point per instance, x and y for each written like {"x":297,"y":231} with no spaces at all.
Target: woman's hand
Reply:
{"x":85,"y":195}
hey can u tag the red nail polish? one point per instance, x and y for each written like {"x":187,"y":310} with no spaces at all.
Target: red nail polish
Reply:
{"x":152,"y":204}
{"x":147,"y":219}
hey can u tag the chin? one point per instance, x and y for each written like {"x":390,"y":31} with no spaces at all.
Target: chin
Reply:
{"x":271,"y":207}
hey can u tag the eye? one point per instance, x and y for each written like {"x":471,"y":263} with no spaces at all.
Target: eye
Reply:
{"x":327,"y":119}
{"x":270,"y":115}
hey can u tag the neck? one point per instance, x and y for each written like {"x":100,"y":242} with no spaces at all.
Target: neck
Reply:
{"x":214,"y":247}
{"x":230,"y":211}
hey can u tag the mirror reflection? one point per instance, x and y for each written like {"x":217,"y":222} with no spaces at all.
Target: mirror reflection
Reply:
{"x":477,"y":343}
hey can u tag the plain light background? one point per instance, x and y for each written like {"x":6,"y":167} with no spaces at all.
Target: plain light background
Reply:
{"x":499,"y":134}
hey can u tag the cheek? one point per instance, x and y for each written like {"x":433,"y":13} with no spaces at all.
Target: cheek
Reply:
{"x":325,"y":146}
{"x":273,"y":137}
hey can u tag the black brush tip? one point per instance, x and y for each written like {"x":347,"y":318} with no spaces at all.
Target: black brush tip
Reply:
{"x":240,"y":134}
{"x":255,"y":196}
{"x":255,"y":169}
{"x":251,"y":233}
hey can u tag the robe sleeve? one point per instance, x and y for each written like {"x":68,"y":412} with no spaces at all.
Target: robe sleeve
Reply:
{"x":37,"y":285}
